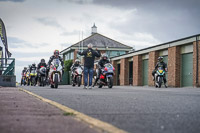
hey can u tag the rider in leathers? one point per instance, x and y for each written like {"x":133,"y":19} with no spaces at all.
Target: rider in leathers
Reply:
{"x":104,"y":60}
{"x":74,"y":66}
{"x":163,"y":65}
{"x":55,"y":56}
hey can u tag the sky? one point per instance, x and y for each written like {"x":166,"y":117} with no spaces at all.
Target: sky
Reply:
{"x":35,"y":28}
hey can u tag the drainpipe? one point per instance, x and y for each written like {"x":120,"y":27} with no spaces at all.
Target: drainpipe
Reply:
{"x":197,"y":57}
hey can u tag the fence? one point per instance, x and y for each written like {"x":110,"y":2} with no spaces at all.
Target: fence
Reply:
{"x":7,"y":66}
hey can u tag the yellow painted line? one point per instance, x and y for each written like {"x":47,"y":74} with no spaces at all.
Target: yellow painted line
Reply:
{"x":103,"y":126}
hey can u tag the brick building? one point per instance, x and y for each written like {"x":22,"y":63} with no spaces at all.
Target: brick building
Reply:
{"x":103,"y":43}
{"x":182,"y":57}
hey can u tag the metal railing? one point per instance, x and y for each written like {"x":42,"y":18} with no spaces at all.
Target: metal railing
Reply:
{"x":7,"y":66}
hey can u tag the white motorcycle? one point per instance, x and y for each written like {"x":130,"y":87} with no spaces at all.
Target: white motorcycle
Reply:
{"x":55,"y":73}
{"x":77,"y":76}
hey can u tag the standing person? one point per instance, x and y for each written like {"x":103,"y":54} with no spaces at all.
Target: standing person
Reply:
{"x":89,"y":55}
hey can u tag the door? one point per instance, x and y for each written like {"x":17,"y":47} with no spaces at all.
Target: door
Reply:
{"x":187,"y":69}
{"x":131,"y":73}
{"x":118,"y":74}
{"x":145,"y":64}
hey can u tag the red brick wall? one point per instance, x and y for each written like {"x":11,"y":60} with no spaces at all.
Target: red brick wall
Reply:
{"x":194,"y":64}
{"x":75,"y":55}
{"x":114,"y":63}
{"x":124,"y":68}
{"x":137,"y":70}
{"x":174,"y":61}
{"x":152,"y":63}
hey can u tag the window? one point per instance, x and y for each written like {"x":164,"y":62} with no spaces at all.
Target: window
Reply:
{"x":114,"y":53}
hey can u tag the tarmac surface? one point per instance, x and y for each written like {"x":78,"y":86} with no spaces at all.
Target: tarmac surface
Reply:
{"x":133,"y":109}
{"x":23,"y":113}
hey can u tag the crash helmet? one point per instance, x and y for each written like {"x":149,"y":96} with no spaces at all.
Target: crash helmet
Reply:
{"x":77,"y":61}
{"x":104,"y":56}
{"x":56,"y":53}
{"x":33,"y":65}
{"x":160,"y":59}
{"x":42,"y":61}
{"x":25,"y":68}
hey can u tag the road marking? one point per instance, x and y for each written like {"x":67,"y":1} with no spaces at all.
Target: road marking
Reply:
{"x":103,"y":126}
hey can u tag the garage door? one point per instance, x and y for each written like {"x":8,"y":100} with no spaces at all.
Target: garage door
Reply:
{"x":165,"y":59}
{"x":145,"y":71}
{"x":187,"y":70}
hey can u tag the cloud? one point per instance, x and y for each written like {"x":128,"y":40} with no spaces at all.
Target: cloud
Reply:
{"x":14,"y":42}
{"x":13,"y":0}
{"x":68,"y":33}
{"x":78,"y":1}
{"x":49,"y":22}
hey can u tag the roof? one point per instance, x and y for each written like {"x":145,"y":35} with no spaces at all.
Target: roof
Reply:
{"x":100,"y":41}
{"x":94,"y":26}
{"x":160,"y":46}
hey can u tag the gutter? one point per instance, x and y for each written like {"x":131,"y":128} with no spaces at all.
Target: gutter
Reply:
{"x":197,"y":66}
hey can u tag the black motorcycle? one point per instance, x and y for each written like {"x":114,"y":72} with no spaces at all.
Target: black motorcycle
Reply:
{"x":42,"y":76}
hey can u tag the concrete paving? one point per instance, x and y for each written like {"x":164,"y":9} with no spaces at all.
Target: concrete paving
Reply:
{"x":133,"y":109}
{"x":23,"y":113}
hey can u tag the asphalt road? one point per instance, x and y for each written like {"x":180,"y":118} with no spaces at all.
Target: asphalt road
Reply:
{"x":133,"y":109}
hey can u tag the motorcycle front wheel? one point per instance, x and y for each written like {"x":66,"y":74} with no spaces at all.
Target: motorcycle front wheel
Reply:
{"x":56,"y":80}
{"x":79,"y":81}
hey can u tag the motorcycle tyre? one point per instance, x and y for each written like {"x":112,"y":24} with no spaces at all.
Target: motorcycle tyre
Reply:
{"x":56,"y":81}
{"x":110,"y":82}
{"x":79,"y":81}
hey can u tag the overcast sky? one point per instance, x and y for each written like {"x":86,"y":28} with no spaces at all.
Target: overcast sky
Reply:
{"x":36,"y":27}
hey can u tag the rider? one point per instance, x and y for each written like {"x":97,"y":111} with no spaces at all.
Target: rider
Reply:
{"x":41,"y":64}
{"x":55,"y":56}
{"x":33,"y":67}
{"x":74,"y":66}
{"x":163,"y":65}
{"x":104,"y":60}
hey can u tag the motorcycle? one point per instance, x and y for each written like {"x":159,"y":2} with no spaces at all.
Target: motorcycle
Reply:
{"x":55,"y":73}
{"x":77,"y":76}
{"x":106,"y":76}
{"x":159,"y":75}
{"x":33,"y":76}
{"x":27,"y":78}
{"x":42,"y":76}
{"x":23,"y":80}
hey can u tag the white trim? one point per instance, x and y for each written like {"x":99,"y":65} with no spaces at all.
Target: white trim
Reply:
{"x":187,"y":49}
{"x":166,"y":46}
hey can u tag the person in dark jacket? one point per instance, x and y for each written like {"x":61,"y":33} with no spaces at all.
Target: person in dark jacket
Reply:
{"x":163,"y":65}
{"x":41,"y":64}
{"x":104,"y":60}
{"x":89,"y":57}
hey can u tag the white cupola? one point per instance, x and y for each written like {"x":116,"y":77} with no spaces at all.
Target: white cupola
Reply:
{"x":94,"y":29}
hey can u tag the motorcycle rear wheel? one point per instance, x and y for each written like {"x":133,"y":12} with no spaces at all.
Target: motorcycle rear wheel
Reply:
{"x":110,"y":82}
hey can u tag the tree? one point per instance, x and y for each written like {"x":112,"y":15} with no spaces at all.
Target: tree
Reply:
{"x":68,"y":65}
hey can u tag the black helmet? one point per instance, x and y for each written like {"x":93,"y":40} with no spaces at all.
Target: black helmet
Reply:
{"x":104,"y":56}
{"x":25,"y":68}
{"x":42,"y":60}
{"x":33,"y":64}
{"x":160,"y":59}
